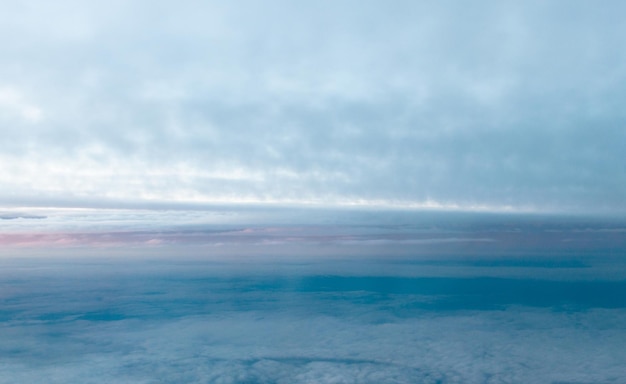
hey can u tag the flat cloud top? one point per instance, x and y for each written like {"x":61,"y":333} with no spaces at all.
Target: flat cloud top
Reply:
{"x":120,"y":321}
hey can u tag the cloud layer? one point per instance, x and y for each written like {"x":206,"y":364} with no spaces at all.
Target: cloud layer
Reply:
{"x":234,"y":231}
{"x":495,"y":105}
{"x":206,"y":322}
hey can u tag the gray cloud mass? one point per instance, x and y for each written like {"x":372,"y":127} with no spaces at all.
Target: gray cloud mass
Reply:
{"x":489,"y":104}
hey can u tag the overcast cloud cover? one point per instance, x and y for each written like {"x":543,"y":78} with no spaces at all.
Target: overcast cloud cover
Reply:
{"x":132,"y":131}
{"x":488,"y":104}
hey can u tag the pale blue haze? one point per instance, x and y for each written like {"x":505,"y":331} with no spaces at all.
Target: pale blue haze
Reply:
{"x":312,"y":191}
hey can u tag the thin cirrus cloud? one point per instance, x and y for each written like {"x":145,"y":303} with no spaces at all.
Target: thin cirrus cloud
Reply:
{"x":498,"y":105}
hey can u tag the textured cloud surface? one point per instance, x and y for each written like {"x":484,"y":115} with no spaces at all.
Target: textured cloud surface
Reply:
{"x":310,"y":296}
{"x":221,"y":322}
{"x":494,"y":104}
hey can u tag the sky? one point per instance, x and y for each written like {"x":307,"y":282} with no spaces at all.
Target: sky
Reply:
{"x":489,"y":105}
{"x":312,"y":191}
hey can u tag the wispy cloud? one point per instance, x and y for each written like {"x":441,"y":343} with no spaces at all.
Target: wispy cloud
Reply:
{"x":295,"y":230}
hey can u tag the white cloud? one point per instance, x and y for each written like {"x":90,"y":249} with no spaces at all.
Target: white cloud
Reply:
{"x":501,"y":105}
{"x":13,"y":103}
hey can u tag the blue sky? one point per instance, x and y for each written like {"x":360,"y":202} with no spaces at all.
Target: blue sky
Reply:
{"x":493,"y":105}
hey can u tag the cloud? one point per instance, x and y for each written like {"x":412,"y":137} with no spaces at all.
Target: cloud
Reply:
{"x":501,"y":105}
{"x":141,"y":321}
{"x":283,"y":231}
{"x":12,"y":103}
{"x":14,"y":216}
